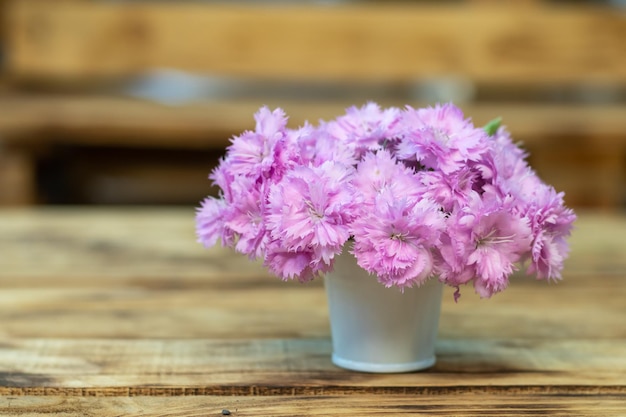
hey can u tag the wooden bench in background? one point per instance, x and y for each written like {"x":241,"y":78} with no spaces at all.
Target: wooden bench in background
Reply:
{"x":555,"y":73}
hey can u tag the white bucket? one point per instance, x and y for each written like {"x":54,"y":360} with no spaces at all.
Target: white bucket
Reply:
{"x":378,"y":329}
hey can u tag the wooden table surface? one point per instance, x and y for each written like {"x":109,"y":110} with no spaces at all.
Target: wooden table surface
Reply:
{"x":119,"y":312}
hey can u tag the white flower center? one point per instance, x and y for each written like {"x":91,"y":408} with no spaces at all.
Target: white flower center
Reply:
{"x":491,"y":239}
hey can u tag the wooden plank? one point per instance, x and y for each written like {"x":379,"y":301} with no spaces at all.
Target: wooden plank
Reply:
{"x":302,"y":366}
{"x":97,"y":341}
{"x":127,"y":175}
{"x":559,"y":137}
{"x":140,"y":274}
{"x":351,"y":42}
{"x":457,"y":404}
{"x":134,"y":311}
{"x":131,"y":244}
{"x":101,"y":120}
{"x":153,"y":244}
{"x":136,"y":244}
{"x":267,"y":308}
{"x":601,"y":184}
{"x":17,"y":176}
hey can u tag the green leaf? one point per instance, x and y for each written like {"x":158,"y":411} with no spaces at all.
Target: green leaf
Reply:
{"x":492,"y":126}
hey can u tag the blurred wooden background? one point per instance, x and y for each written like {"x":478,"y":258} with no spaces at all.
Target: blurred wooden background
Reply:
{"x":132,"y":102}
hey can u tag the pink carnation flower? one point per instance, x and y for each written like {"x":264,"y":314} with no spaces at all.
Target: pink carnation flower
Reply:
{"x":551,"y":223}
{"x":440,"y":138}
{"x":417,"y":193}
{"x":451,"y":191}
{"x":366,"y":128}
{"x":491,"y":239}
{"x":380,"y":171}
{"x":239,"y":222}
{"x":310,"y":211}
{"x":305,"y":265}
{"x":255,"y":154}
{"x":210,"y":222}
{"x":393,"y":239}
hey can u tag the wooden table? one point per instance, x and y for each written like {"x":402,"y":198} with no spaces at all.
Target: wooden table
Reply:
{"x":118,"y":312}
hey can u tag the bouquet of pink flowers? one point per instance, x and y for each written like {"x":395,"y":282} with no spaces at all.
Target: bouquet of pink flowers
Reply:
{"x":413,"y":194}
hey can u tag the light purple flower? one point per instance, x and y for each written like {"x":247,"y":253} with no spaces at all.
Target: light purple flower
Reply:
{"x":509,"y":158}
{"x":246,"y":219}
{"x":310,"y":211}
{"x":379,"y":172}
{"x":393,"y":239}
{"x":322,"y":146}
{"x":210,"y":224}
{"x":551,"y":223}
{"x":416,"y":193}
{"x":239,"y":223}
{"x":495,"y":239}
{"x":451,"y":191}
{"x":366,"y":128}
{"x":255,"y":154}
{"x":439,"y":138}
{"x":304,"y":265}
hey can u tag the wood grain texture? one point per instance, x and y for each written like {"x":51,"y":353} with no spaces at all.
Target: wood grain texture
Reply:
{"x":455,"y":404}
{"x":120,"y":312}
{"x":105,"y":120}
{"x":302,"y":366}
{"x":139,"y":273}
{"x":362,"y":41}
{"x":558,"y":137}
{"x":68,"y":242}
{"x":17,"y":176}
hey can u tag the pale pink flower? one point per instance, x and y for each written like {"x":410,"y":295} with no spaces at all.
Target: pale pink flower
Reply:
{"x":311,"y":208}
{"x":246,"y":219}
{"x":439,"y":138}
{"x":239,"y":223}
{"x":393,"y":239}
{"x":380,"y":171}
{"x":366,"y":128}
{"x":255,"y":154}
{"x":419,"y":193}
{"x":451,"y":191}
{"x":322,"y":146}
{"x":509,"y":158}
{"x":304,"y":265}
{"x":498,"y":239}
{"x":210,"y":222}
{"x":551,"y":223}
{"x":451,"y":255}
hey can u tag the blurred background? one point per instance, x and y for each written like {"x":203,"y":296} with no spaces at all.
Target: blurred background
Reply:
{"x":133,"y":102}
